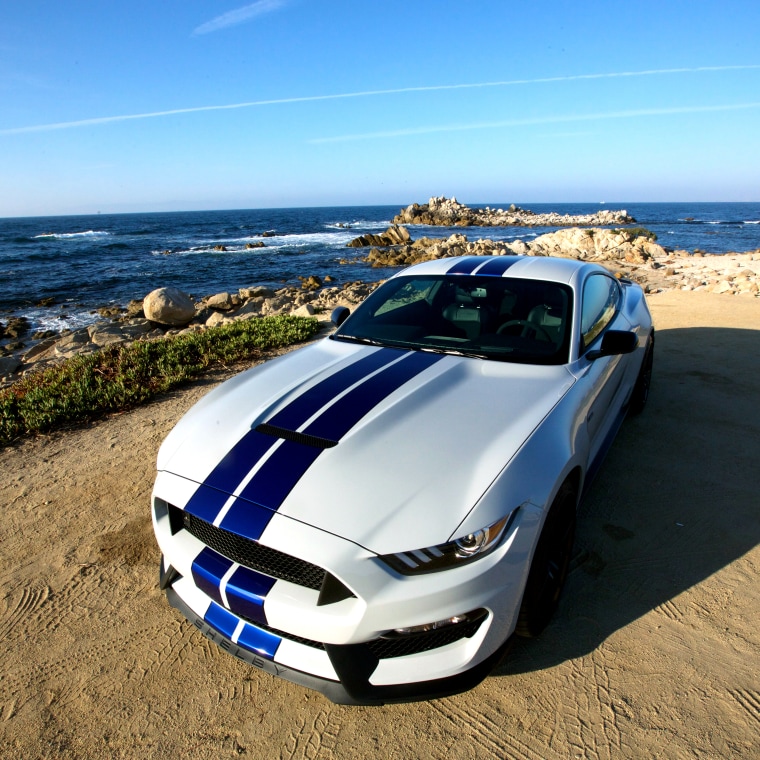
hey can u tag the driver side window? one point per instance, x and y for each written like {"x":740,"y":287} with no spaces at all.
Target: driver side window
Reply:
{"x":601,"y":295}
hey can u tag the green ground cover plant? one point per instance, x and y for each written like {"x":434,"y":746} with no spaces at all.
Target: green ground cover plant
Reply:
{"x":123,"y":376}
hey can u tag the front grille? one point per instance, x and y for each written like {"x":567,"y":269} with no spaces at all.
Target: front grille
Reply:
{"x":254,"y":555}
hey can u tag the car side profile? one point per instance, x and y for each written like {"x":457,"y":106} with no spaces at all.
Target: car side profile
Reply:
{"x":375,"y":515}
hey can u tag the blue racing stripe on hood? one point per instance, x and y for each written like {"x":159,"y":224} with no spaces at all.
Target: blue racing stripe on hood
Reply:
{"x":225,"y":478}
{"x":312,"y":400}
{"x":278,"y":476}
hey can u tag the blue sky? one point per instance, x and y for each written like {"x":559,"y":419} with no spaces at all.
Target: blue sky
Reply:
{"x":191,"y":104}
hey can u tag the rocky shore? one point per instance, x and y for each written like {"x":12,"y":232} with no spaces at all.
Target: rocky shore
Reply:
{"x":627,"y":252}
{"x":449,"y":212}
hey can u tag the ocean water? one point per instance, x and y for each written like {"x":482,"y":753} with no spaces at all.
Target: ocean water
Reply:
{"x":85,"y":262}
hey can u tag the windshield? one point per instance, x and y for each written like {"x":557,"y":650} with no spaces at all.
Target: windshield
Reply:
{"x":501,"y":318}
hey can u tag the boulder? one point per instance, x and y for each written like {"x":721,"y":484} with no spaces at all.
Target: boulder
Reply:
{"x":259,"y":291}
{"x":169,"y":306}
{"x":220,"y":301}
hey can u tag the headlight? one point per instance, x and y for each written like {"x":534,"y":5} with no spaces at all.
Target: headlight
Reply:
{"x":452,"y":554}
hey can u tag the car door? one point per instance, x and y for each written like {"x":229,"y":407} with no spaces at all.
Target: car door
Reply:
{"x":603,"y":377}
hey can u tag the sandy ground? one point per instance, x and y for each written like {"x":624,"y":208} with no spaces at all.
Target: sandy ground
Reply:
{"x":655,"y":651}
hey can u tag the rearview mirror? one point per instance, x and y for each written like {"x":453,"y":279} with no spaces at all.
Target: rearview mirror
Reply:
{"x":615,"y":342}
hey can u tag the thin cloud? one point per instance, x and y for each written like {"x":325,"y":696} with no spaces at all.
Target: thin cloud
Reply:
{"x":566,"y":119}
{"x":360,"y":94}
{"x":239,"y":16}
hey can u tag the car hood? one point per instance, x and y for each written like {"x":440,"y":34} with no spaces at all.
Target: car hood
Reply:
{"x":389,"y":449}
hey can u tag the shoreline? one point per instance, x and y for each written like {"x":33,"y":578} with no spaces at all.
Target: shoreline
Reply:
{"x":624,"y":252}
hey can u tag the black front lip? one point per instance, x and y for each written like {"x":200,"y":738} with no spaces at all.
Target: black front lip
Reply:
{"x":353,"y":663}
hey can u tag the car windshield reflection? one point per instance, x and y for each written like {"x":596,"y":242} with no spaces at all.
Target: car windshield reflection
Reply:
{"x":485,"y":317}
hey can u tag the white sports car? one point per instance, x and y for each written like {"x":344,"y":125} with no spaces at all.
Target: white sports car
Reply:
{"x":376,"y":514}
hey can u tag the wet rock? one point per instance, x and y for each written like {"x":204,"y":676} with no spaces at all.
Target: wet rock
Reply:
{"x":9,"y":365}
{"x":394,"y":235}
{"x":311,"y":283}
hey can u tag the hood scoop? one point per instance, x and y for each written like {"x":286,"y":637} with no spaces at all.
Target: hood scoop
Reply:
{"x":314,"y":441}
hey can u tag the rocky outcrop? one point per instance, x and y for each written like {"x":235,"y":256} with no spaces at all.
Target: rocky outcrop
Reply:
{"x":212,"y":311}
{"x":394,"y":235}
{"x":586,"y":244}
{"x":449,"y":212}
{"x":169,"y":306}
{"x":624,"y":252}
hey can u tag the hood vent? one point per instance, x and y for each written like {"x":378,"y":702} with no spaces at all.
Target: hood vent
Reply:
{"x":291,"y":435}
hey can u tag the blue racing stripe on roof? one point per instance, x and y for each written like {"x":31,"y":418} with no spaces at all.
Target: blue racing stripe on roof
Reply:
{"x":278,"y":476}
{"x":497,"y":265}
{"x":466,"y":265}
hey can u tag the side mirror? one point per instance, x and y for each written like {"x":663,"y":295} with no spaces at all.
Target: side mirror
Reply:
{"x":615,"y":342}
{"x":339,"y":314}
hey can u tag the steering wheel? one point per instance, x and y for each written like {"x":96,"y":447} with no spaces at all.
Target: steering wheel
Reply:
{"x":539,"y":330}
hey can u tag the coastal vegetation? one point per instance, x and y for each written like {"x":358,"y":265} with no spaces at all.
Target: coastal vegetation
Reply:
{"x":122,"y":376}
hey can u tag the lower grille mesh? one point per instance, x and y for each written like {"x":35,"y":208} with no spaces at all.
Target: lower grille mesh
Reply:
{"x":253,"y":555}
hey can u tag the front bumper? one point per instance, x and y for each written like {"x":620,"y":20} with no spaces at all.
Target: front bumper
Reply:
{"x":353,"y":665}
{"x":261,"y":609}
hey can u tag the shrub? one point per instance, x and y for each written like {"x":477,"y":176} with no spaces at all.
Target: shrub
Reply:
{"x":123,"y":376}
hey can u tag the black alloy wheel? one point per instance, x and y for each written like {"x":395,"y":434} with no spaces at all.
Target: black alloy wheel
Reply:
{"x":550,"y":565}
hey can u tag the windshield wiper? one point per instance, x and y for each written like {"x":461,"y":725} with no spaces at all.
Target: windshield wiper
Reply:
{"x":455,"y":352}
{"x":357,"y":339}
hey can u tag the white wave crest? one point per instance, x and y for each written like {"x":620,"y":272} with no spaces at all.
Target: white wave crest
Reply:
{"x":62,"y":235}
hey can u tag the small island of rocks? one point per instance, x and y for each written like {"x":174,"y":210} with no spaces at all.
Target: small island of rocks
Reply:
{"x":449,"y":212}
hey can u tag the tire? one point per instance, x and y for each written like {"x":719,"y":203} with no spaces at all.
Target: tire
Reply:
{"x":550,"y":565}
{"x":640,"y":392}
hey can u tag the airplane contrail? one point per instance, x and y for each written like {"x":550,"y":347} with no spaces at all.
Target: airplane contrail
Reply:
{"x":363,"y":94}
{"x":424,"y":130}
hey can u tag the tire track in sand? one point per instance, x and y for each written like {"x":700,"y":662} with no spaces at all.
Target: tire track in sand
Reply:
{"x":489,"y":732}
{"x":316,"y":737}
{"x":749,"y":701}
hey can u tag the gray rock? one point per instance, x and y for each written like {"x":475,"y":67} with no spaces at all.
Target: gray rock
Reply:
{"x":9,"y":365}
{"x":220,"y":301}
{"x":169,"y":306}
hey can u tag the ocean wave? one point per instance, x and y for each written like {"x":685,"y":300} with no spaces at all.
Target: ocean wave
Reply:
{"x":64,"y":235}
{"x":359,"y":224}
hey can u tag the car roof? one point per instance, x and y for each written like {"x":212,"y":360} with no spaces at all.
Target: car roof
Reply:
{"x":525,"y":267}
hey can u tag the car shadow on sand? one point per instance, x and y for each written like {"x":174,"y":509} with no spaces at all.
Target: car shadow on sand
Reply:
{"x":675,"y":501}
